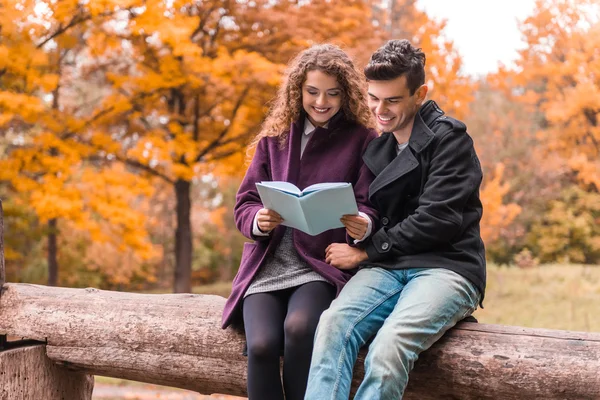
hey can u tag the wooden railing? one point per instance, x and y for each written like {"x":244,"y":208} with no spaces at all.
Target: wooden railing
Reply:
{"x":176,"y":340}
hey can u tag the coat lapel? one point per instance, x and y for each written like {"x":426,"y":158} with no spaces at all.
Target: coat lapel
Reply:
{"x":380,"y":153}
{"x":421,"y":135}
{"x":400,"y":165}
{"x":381,"y":156}
{"x":293,"y":152}
{"x":317,"y":142}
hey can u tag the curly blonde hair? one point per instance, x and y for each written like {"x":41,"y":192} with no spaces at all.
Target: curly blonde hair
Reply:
{"x":287,"y":105}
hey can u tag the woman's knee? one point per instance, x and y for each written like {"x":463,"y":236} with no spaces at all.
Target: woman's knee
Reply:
{"x":299,"y":327}
{"x":264,"y":347}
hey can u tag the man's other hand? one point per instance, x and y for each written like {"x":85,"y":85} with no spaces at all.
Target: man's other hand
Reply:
{"x":342,"y":256}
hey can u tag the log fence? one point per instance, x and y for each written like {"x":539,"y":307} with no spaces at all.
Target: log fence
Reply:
{"x":176,"y":340}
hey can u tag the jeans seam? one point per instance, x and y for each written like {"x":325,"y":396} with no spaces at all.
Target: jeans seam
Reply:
{"x":445,"y":324}
{"x":421,"y":346}
{"x":473,"y":306}
{"x":349,"y":334}
{"x":470,"y":309}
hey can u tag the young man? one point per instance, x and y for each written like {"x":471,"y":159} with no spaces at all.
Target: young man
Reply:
{"x":424,"y":269}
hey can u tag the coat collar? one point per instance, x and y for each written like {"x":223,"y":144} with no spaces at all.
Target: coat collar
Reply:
{"x":421,"y":135}
{"x":382,"y":151}
{"x":397,"y":165}
{"x":333,"y":124}
{"x":381,"y":158}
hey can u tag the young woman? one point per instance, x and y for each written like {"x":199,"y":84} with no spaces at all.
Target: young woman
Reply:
{"x":316,"y":131}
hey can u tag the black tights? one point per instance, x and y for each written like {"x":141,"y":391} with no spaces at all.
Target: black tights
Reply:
{"x":282,"y":320}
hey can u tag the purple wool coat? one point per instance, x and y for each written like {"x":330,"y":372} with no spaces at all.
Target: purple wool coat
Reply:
{"x":332,"y":154}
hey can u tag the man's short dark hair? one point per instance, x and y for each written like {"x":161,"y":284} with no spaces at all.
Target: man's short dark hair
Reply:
{"x":397,"y":58}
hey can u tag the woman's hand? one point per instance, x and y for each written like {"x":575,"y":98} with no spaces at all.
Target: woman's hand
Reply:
{"x":356,"y":225}
{"x":267,"y":220}
{"x":342,"y":256}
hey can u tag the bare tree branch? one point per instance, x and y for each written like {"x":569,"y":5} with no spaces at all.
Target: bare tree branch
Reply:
{"x":242,"y":136}
{"x":69,"y":134}
{"x":144,"y":167}
{"x":77,"y":19}
{"x":196,"y":133}
{"x":224,"y":154}
{"x":203,"y":20}
{"x":216,"y":143}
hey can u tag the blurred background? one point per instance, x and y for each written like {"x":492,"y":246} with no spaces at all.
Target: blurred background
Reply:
{"x":124,"y":127}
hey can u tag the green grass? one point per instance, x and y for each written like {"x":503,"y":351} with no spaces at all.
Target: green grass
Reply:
{"x":219,"y":288}
{"x":118,"y":381}
{"x":549,"y":296}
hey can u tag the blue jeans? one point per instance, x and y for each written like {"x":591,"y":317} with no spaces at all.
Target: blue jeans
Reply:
{"x":407,"y":310}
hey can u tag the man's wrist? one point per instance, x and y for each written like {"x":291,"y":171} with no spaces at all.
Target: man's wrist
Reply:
{"x":362,"y":255}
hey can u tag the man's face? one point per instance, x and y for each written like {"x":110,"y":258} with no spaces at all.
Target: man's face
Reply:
{"x":392,"y":104}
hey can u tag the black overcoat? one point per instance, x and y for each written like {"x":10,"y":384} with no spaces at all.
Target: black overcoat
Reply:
{"x":428,"y":199}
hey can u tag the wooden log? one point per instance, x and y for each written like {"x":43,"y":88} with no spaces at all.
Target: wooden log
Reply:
{"x":173,"y":339}
{"x":176,"y":340}
{"x":26,"y":373}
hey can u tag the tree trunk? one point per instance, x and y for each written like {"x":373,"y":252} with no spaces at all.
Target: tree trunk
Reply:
{"x":176,"y":340}
{"x":52,"y":223}
{"x":183,"y":238}
{"x":397,"y":10}
{"x":2,"y":273}
{"x":28,"y":374}
{"x":52,"y":252}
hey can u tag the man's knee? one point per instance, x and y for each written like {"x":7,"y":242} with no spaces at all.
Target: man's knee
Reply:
{"x":333,"y":321}
{"x":391,"y":350}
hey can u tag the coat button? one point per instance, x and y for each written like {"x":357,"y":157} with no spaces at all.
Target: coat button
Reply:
{"x":385,"y":246}
{"x":385,"y":221}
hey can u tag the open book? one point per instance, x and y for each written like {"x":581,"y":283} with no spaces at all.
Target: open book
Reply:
{"x":313,"y":210}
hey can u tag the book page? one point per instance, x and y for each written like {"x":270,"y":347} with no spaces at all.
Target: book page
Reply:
{"x":282,"y":186}
{"x":286,"y":204}
{"x":323,"y":209}
{"x":324,"y":185}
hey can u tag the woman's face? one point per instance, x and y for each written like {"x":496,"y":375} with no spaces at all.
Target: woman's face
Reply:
{"x":321,"y":97}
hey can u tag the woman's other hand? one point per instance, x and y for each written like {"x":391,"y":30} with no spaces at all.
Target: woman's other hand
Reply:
{"x":356,"y":226}
{"x":267,"y":220}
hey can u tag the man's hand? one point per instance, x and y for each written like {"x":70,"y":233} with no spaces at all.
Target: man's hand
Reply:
{"x":356,"y":226}
{"x":342,"y":256}
{"x":267,"y":220}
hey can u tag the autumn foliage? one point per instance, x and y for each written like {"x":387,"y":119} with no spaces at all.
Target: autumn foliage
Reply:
{"x":557,"y":82}
{"x":124,"y":125}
